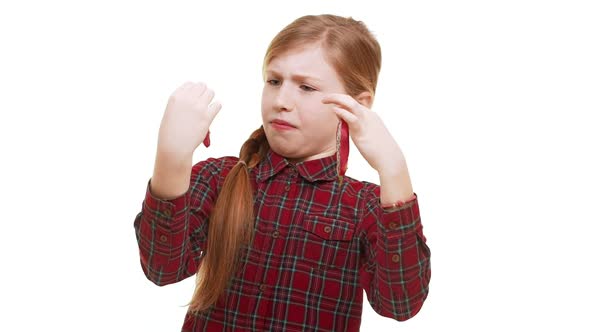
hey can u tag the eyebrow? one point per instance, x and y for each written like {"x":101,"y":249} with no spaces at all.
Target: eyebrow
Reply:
{"x":299,"y":77}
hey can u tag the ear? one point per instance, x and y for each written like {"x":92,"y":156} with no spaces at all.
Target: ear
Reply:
{"x":365,"y":98}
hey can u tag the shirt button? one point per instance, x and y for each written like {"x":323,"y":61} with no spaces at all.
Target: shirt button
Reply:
{"x":395,"y":258}
{"x":287,"y":187}
{"x":163,"y":238}
{"x":276,"y":234}
{"x":327,"y":229}
{"x":392,"y":225}
{"x":262,"y":287}
{"x":167,"y":213}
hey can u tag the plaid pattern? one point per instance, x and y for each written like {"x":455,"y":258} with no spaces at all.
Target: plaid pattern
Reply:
{"x":316,"y":247}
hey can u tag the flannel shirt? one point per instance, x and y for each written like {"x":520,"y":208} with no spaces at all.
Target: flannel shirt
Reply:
{"x":316,"y":246}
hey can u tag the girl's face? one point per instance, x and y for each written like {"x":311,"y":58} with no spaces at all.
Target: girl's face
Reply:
{"x":295,"y":83}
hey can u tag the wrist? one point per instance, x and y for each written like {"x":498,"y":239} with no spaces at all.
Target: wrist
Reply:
{"x":400,"y":202}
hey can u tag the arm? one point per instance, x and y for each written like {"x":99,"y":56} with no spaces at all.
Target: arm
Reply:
{"x":395,"y":269}
{"x":396,"y":186}
{"x":171,"y":176}
{"x":171,"y":233}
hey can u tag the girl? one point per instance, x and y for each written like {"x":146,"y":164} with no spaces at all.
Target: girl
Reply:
{"x":279,"y":238}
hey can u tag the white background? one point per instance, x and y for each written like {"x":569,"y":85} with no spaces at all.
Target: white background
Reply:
{"x":488,"y":101}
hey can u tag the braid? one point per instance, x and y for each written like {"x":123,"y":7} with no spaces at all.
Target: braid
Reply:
{"x":231,"y":226}
{"x":255,"y":148}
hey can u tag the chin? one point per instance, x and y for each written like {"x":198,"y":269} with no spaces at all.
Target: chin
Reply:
{"x":286,"y":150}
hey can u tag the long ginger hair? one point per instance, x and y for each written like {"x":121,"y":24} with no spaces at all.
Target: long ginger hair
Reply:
{"x":355,"y":55}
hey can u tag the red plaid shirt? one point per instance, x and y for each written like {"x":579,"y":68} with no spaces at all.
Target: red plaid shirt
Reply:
{"x":316,"y":247}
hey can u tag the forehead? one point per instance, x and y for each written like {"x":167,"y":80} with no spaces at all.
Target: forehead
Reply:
{"x":306,"y":61}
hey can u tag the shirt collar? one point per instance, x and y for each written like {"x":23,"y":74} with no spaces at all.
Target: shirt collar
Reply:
{"x":312,"y":170}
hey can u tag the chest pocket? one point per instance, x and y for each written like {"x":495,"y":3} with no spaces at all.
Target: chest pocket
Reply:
{"x":327,"y":242}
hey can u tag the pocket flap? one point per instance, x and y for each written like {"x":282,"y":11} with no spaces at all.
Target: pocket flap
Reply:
{"x":329,"y":228}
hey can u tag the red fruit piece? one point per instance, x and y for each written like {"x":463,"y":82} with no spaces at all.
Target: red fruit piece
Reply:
{"x":344,"y":149}
{"x":207,"y":140}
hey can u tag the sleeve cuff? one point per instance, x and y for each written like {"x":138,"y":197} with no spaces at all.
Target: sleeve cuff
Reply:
{"x":400,"y":218}
{"x":167,"y":207}
{"x":399,"y":204}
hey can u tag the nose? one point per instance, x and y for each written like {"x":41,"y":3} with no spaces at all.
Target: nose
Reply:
{"x":283,"y":100}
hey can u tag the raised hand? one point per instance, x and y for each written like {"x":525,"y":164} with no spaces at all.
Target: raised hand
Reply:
{"x":367,"y":131}
{"x":186,"y":121}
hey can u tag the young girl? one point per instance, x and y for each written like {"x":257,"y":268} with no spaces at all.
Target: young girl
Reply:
{"x":279,"y":238}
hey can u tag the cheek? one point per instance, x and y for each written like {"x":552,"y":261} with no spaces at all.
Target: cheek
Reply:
{"x":317,"y":109}
{"x":325,"y":115}
{"x":320,"y":120}
{"x":265,"y":104}
{"x":266,"y":94}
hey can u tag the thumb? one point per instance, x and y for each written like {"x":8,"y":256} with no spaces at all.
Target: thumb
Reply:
{"x":215,"y":107}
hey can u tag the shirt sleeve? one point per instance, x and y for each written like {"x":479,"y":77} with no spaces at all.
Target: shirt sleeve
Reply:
{"x":172,"y":234}
{"x":395,"y":264}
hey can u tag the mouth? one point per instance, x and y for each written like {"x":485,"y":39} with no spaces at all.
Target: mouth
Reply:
{"x":280,"y":124}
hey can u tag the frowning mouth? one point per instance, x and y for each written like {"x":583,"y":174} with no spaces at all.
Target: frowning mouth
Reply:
{"x":281,"y":125}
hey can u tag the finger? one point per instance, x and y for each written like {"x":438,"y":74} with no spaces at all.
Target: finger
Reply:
{"x":179,"y":90}
{"x":342,"y":100}
{"x":184,"y":86}
{"x":207,"y":96}
{"x":197,"y":89}
{"x":345,"y":115}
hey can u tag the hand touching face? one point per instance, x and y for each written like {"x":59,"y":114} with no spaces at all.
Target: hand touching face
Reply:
{"x":296,"y":122}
